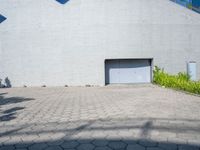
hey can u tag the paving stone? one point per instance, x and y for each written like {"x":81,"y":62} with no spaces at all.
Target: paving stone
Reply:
{"x":177,"y":140}
{"x":69,"y":144}
{"x":100,"y":142}
{"x":7,"y":148}
{"x":117,"y":145}
{"x":53,"y":148}
{"x":38,"y":146}
{"x":86,"y":147}
{"x":55,"y":143}
{"x":103,"y":148}
{"x":147,"y":143}
{"x":22,"y":145}
{"x":86,"y":141}
{"x":4,"y":138}
{"x":135,"y":147}
{"x":101,"y":113}
{"x":154,"y":148}
{"x":130,"y":141}
{"x":187,"y":147}
{"x":168,"y":146}
{"x":194,"y":142}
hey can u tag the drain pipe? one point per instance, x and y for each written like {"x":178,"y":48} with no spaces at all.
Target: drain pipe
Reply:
{"x":192,"y":70}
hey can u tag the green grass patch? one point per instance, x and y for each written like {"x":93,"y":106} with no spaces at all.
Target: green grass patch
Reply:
{"x":181,"y":81}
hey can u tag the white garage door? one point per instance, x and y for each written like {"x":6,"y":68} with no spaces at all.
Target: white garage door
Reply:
{"x":128,"y":71}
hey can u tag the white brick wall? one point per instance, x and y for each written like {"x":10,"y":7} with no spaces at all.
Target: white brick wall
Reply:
{"x":44,"y":42}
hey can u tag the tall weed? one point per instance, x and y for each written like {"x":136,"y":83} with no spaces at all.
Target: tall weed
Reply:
{"x":181,"y":81}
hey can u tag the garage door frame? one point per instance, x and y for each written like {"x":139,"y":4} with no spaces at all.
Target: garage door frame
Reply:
{"x":126,"y":59}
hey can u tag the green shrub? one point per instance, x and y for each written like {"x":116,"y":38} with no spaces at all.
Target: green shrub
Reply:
{"x":181,"y":81}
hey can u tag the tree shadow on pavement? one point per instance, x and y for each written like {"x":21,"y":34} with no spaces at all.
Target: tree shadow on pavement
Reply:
{"x":11,"y":100}
{"x":10,"y":113}
{"x":107,"y":134}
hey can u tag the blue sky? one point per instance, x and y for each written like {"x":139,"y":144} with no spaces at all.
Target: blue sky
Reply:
{"x":196,"y":3}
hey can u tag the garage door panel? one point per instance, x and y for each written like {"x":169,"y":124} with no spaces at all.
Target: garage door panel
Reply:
{"x":128,"y":71}
{"x":114,"y":73}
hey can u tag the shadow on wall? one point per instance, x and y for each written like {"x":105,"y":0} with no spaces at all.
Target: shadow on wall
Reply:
{"x":62,"y":1}
{"x":2,"y":18}
{"x":7,"y":83}
{"x":10,"y":113}
{"x":125,"y":134}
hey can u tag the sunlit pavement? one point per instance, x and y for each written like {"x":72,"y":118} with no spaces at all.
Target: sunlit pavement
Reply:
{"x":135,"y":117}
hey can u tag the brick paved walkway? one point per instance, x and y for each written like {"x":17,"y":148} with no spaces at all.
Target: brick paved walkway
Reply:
{"x":140,"y":117}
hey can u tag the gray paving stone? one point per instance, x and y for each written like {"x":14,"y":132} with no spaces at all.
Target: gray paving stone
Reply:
{"x":53,"y":148}
{"x":154,"y":148}
{"x":117,"y":145}
{"x":38,"y":146}
{"x":7,"y":148}
{"x":187,"y":147}
{"x":147,"y":143}
{"x":86,"y":147}
{"x":69,"y":144}
{"x":22,"y":145}
{"x":56,"y":143}
{"x":101,"y":113}
{"x":130,"y":141}
{"x":135,"y":147}
{"x":168,"y":146}
{"x":100,"y":142}
{"x":103,"y":148}
{"x":86,"y":141}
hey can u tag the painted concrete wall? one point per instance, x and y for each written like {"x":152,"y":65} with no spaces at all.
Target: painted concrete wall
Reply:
{"x":44,"y":42}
